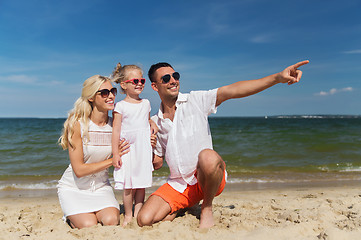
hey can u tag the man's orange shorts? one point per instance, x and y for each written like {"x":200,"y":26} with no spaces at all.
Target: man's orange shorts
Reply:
{"x":192,"y":195}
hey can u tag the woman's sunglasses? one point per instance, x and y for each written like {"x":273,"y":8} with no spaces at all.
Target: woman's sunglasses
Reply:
{"x":166,"y":78}
{"x":135,"y":81}
{"x":105,"y":92}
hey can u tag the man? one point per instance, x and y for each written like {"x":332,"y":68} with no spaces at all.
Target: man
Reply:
{"x":197,"y":172}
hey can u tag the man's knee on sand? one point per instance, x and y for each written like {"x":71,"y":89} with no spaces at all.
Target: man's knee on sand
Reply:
{"x":209,"y":161}
{"x":145,"y":218}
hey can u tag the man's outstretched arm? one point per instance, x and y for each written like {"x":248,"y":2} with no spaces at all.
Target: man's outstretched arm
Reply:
{"x":241,"y":89}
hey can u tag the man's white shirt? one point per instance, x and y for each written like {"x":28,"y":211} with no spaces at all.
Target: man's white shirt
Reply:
{"x":181,"y":140}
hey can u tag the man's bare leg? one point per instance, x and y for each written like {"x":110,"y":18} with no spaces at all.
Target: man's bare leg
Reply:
{"x":155,"y":209}
{"x":210,"y":170}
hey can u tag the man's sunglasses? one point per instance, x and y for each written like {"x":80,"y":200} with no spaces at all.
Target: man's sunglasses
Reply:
{"x":105,"y":92}
{"x":166,"y":78}
{"x":135,"y":81}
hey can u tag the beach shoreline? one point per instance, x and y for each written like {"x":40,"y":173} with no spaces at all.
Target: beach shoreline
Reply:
{"x":230,"y":187}
{"x":306,"y":211}
{"x":45,"y":185}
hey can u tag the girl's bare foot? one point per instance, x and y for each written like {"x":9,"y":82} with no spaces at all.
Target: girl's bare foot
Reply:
{"x":127,"y":219}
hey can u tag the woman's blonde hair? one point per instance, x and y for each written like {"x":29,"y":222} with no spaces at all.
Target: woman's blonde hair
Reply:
{"x":82,"y":110}
{"x":120,"y":73}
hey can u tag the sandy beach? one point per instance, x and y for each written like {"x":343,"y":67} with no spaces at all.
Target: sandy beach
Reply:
{"x":298,"y":212}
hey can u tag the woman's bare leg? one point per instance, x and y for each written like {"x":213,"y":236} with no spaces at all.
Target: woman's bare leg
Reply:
{"x":108,"y":216}
{"x":83,"y":220}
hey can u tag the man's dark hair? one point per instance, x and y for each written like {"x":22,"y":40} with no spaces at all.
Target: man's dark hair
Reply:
{"x":155,"y":67}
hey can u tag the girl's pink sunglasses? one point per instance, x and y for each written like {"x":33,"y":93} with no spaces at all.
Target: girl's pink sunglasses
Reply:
{"x":135,"y":81}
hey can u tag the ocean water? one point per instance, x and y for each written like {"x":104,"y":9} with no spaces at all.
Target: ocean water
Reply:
{"x":279,"y":149}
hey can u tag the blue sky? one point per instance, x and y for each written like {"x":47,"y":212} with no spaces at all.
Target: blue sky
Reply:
{"x":48,"y":48}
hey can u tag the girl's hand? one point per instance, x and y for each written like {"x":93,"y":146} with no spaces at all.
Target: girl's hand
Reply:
{"x":153,"y":140}
{"x":117,"y":161}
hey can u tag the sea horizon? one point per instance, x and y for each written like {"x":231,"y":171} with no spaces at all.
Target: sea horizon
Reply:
{"x":217,"y":116}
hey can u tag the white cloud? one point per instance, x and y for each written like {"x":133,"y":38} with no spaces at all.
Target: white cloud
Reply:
{"x":334,"y":91}
{"x":356,"y":51}
{"x":262,"y":39}
{"x":28,"y":80}
{"x":18,"y":79}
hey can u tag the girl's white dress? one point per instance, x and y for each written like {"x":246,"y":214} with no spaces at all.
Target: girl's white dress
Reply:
{"x":137,"y":167}
{"x":93,"y":192}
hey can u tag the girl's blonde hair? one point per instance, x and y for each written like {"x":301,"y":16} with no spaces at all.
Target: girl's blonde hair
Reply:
{"x":82,"y":110}
{"x":120,"y":73}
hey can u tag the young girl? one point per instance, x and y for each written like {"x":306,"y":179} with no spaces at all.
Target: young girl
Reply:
{"x":133,"y":171}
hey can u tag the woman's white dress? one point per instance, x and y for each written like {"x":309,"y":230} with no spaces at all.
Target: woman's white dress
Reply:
{"x":137,"y":167}
{"x":93,"y":192}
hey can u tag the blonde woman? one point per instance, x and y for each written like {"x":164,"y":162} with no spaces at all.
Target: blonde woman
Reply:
{"x":85,"y":194}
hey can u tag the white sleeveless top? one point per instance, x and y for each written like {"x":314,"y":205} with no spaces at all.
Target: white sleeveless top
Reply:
{"x":98,"y":148}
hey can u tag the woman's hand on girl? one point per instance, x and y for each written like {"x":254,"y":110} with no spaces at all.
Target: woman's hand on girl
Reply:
{"x":123,"y":149}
